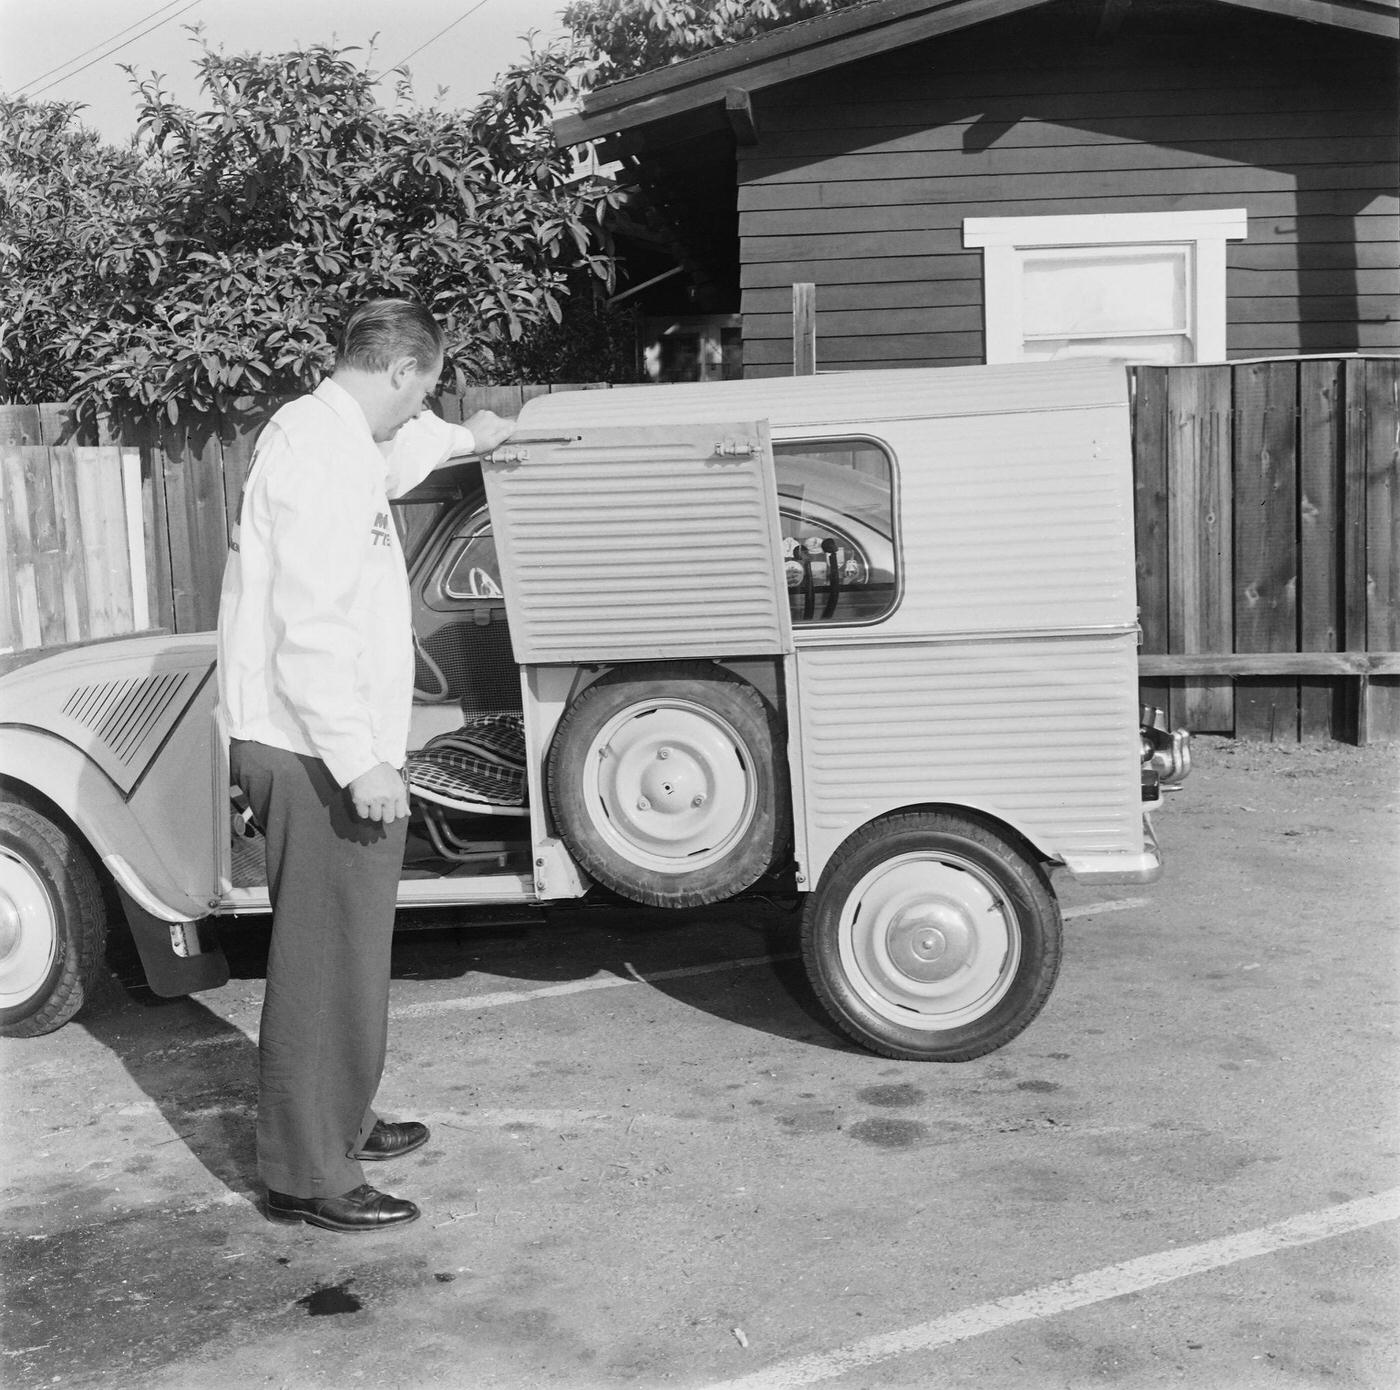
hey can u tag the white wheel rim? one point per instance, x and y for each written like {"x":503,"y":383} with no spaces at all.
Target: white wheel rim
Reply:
{"x":929,"y":941}
{"x":28,"y":931}
{"x":669,"y":786}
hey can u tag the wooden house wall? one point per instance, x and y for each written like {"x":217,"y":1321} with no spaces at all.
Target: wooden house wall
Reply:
{"x":861,"y":178}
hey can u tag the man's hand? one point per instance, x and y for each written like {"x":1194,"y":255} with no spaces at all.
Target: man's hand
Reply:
{"x":380,"y":794}
{"x":489,"y":429}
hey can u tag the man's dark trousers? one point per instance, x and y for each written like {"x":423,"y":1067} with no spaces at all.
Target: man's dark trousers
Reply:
{"x":333,"y":879}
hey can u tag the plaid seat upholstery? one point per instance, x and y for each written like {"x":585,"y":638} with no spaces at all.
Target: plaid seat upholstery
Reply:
{"x":479,"y":767}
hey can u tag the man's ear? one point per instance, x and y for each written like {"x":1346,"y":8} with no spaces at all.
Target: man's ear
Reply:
{"x":400,"y":370}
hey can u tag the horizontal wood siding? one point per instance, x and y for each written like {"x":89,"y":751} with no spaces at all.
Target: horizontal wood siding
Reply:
{"x":862,"y":178}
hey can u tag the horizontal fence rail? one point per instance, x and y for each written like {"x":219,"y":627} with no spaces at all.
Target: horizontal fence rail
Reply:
{"x":1267,"y":533}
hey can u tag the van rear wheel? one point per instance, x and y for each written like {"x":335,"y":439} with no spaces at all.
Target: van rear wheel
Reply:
{"x":667,"y":783}
{"x":53,"y":924}
{"x":932,"y":937}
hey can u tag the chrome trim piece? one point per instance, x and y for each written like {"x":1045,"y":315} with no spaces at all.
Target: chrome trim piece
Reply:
{"x":140,"y":894}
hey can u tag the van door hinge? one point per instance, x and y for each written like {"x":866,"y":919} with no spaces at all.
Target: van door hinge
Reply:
{"x":735,"y":448}
{"x":507,"y":454}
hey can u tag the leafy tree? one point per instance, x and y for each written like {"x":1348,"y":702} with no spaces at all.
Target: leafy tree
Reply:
{"x":295,"y":192}
{"x":63,"y":195}
{"x":625,"y":37}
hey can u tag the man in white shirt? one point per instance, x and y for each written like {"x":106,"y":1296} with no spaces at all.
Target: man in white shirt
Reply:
{"x":315,"y":693}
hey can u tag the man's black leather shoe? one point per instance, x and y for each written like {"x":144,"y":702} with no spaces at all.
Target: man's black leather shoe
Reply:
{"x":353,"y":1213}
{"x":392,"y":1140}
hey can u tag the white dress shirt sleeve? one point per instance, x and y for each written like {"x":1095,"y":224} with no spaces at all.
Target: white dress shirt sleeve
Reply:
{"x":423,"y":444}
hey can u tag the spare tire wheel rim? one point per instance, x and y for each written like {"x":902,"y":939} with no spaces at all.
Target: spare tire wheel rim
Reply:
{"x":28,"y":931}
{"x":669,"y":785}
{"x":929,"y":941}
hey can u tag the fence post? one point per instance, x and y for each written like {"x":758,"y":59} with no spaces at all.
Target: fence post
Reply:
{"x":804,"y":329}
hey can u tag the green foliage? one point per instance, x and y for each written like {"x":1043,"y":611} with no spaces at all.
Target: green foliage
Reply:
{"x":627,"y":37}
{"x":295,"y":193}
{"x":63,"y":196}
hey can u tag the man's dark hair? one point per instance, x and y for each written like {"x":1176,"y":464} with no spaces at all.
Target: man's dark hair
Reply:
{"x":380,"y":331}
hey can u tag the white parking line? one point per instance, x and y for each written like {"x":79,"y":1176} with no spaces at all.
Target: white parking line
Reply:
{"x":1098,"y":1285}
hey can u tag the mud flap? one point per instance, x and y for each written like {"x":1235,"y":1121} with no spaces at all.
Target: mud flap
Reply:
{"x":178,"y":957}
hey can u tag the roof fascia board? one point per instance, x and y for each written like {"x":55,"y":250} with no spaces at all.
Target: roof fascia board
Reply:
{"x":848,"y":35}
{"x":789,"y":38}
{"x":1380,"y":17}
{"x":787,"y":54}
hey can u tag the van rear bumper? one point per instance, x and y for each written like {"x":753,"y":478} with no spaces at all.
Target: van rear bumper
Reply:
{"x":1119,"y":868}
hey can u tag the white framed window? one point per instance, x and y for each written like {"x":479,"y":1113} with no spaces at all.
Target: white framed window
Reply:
{"x":1140,"y":286}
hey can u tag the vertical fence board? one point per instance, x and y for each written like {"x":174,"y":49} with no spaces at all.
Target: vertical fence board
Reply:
{"x":58,"y":424}
{"x":1265,"y":539}
{"x":1354,"y":536}
{"x":20,"y":424}
{"x":196,"y":521}
{"x":46,"y":546}
{"x":1199,"y":522}
{"x":11,"y":638}
{"x":77,"y":608}
{"x":104,"y":519}
{"x":160,"y":594}
{"x":1383,"y":538}
{"x":1320,"y":442}
{"x":1150,"y":526}
{"x":23,"y":571}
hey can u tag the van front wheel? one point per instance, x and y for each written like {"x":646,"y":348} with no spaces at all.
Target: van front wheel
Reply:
{"x":932,"y":937}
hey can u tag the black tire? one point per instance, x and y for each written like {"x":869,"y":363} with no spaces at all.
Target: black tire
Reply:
{"x":669,"y":784}
{"x":932,"y":937}
{"x":54,"y":924}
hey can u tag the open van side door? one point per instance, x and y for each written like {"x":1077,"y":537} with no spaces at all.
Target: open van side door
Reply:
{"x":644,"y":543}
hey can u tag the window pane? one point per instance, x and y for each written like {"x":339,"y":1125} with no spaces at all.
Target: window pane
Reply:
{"x":1101,"y":290}
{"x":835,"y":498}
{"x":475,"y":573}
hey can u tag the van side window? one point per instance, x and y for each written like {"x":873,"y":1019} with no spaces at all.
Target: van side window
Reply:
{"x":836,"y":500}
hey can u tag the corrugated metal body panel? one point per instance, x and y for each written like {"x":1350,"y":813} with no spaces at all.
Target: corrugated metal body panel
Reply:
{"x":842,"y":398}
{"x":641,"y":543}
{"x":1015,"y":522}
{"x":1040,"y":733}
{"x":1015,"y":482}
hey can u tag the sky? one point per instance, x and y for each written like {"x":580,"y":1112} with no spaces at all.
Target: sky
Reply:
{"x":96,"y":36}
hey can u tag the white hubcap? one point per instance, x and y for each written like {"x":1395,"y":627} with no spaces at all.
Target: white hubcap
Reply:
{"x":669,"y":786}
{"x":929,"y":941}
{"x":28,"y":931}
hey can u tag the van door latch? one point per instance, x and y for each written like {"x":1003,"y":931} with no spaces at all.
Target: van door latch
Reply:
{"x":735,"y":448}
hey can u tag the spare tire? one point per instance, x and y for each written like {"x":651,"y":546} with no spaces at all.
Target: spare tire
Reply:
{"x":669,"y":783}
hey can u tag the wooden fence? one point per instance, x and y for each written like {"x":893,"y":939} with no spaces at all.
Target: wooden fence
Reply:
{"x":1268,"y":545}
{"x":1268,"y":536}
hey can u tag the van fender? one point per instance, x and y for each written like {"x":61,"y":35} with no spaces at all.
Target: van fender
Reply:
{"x":991,"y":817}
{"x":73,"y":782}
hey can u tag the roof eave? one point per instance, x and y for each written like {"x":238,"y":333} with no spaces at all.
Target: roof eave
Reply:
{"x":829,"y":41}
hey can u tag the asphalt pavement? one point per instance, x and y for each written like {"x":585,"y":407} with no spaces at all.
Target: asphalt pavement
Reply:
{"x":654,"y":1162}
